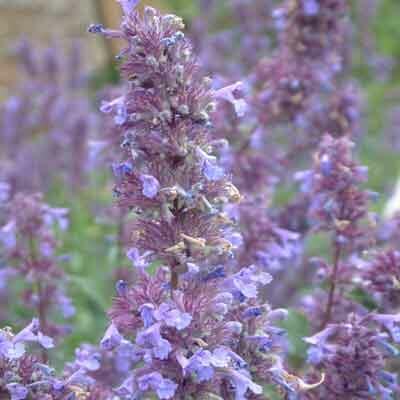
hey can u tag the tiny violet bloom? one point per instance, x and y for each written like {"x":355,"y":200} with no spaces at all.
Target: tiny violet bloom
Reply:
{"x":66,"y":306}
{"x":151,"y":339}
{"x":32,"y":334}
{"x":7,"y":235}
{"x":116,"y":106}
{"x":45,"y":341}
{"x":111,"y":339}
{"x":311,"y":8}
{"x":17,"y":391}
{"x":9,"y":349}
{"x":138,"y":260}
{"x":315,"y":355}
{"x":200,"y":364}
{"x":172,"y":317}
{"x":151,"y":186}
{"x":247,"y":280}
{"x":391,"y":323}
{"x":147,"y":314}
{"x":4,"y":191}
{"x":165,"y":388}
{"x":242,"y":383}
{"x":321,"y":338}
{"x":212,"y":171}
{"x":126,"y":354}
{"x":122,"y":288}
{"x":86,"y":359}
{"x":227,"y":93}
{"x":122,"y":169}
{"x":253,"y":312}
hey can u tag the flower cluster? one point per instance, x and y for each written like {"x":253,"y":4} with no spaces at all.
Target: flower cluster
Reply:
{"x":198,"y":323}
{"x":382,"y":278}
{"x":354,"y":354}
{"x":30,"y":245}
{"x":340,"y":207}
{"x":23,"y":375}
{"x":338,"y":204}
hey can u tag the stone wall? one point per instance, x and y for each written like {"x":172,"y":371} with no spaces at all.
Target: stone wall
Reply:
{"x":44,"y":21}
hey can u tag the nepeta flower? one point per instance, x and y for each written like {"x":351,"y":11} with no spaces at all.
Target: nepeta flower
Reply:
{"x":197,"y":325}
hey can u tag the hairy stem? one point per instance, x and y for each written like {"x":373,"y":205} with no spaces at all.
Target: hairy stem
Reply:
{"x":41,"y":304}
{"x":333,"y":282}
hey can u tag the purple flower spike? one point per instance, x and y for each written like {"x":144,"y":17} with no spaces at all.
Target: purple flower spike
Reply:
{"x":185,"y":315}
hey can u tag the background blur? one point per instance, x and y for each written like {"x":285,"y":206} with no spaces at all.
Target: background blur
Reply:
{"x":44,"y":21}
{"x":61,"y":21}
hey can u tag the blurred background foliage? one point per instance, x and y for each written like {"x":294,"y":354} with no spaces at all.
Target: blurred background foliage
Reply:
{"x":92,"y":255}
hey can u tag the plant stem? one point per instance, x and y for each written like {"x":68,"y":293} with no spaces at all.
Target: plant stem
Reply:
{"x":41,"y":305}
{"x":333,"y":282}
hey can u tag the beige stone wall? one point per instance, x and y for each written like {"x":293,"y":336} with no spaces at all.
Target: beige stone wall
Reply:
{"x":43,"y":21}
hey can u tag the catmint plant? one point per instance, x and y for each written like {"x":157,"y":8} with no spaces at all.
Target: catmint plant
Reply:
{"x":352,"y":344}
{"x":338,"y":206}
{"x":195,"y":321}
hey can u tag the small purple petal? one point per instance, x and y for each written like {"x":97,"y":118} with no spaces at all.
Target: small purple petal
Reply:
{"x":212,"y":171}
{"x":151,"y":186}
{"x":17,"y":391}
{"x":112,"y":338}
{"x":227,"y":93}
